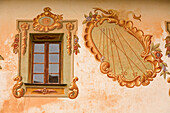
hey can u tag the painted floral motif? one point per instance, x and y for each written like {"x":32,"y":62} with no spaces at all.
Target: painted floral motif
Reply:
{"x":91,"y":17}
{"x":110,"y":13}
{"x":156,"y":53}
{"x":76,"y":45}
{"x":167,"y":46}
{"x":15,"y":44}
{"x":1,"y":58}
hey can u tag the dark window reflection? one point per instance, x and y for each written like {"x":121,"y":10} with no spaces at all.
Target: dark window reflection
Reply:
{"x":53,"y":78}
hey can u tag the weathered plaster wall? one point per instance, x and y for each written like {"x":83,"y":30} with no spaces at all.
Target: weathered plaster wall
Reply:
{"x":98,"y":93}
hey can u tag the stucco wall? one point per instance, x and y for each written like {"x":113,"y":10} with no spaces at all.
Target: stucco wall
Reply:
{"x":98,"y":93}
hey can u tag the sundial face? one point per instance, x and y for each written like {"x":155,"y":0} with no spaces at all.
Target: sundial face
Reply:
{"x":122,"y":49}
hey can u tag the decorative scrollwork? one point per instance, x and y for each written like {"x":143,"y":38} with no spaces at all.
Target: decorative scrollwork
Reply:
{"x":44,"y":91}
{"x":47,"y":21}
{"x":168,"y":80}
{"x":105,"y":67}
{"x":109,"y":14}
{"x":1,"y":58}
{"x":17,"y":91}
{"x":24,"y":28}
{"x":74,"y":89}
{"x":69,"y":27}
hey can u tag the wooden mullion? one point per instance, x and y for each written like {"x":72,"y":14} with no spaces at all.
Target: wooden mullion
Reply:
{"x":46,"y":62}
{"x":47,"y":79}
{"x":55,"y":53}
{"x":38,"y":73}
{"x":38,"y":63}
{"x":54,"y":63}
{"x":53,"y":73}
{"x":38,"y":53}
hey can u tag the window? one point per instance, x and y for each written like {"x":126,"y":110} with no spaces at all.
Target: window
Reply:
{"x":46,"y":59}
{"x":46,"y":62}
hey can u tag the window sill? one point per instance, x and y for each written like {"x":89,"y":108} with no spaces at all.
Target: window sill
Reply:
{"x":58,"y":90}
{"x":31,"y":84}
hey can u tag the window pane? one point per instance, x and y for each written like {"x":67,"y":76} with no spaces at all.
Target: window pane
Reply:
{"x":54,"y":58}
{"x":38,"y":78}
{"x":38,"y":68}
{"x":39,"y":48}
{"x":39,"y":58}
{"x":53,"y":78}
{"x":54,"y":48}
{"x":53,"y":68}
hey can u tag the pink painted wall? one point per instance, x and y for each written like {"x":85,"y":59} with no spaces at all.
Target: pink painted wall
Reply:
{"x":98,"y":93}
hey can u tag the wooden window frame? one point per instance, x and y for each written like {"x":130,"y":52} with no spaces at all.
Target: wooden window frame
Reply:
{"x":46,"y":43}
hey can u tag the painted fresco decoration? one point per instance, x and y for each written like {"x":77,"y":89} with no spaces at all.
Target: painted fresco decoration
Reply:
{"x":69,"y":27}
{"x":30,"y":33}
{"x":167,"y":46}
{"x":114,"y":42}
{"x":15,"y":44}
{"x":167,"y":39}
{"x":17,"y":91}
{"x":25,"y":27}
{"x":1,"y":58}
{"x":168,"y":80}
{"x":47,"y":21}
{"x":74,"y":89}
{"x":157,"y":54}
{"x":76,"y":45}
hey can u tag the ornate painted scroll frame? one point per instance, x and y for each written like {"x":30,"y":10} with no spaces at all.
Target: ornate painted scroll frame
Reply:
{"x":111,"y":16}
{"x":25,"y":27}
{"x":69,"y":27}
{"x":167,"y":45}
{"x":47,"y":21}
{"x":74,"y":89}
{"x":17,"y":91}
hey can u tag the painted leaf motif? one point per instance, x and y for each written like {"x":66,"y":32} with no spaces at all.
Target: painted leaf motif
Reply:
{"x":156,"y":46}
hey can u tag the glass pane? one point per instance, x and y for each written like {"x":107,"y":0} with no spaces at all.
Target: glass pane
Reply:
{"x":54,"y":58}
{"x":54,"y":48}
{"x":38,"y":78}
{"x":38,"y":68}
{"x":53,"y":78}
{"x":39,"y":48}
{"x":53,"y":68}
{"x":39,"y":58}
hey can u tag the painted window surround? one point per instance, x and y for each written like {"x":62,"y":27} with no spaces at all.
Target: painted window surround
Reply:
{"x":53,"y":25}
